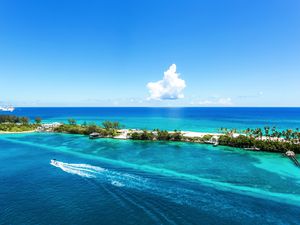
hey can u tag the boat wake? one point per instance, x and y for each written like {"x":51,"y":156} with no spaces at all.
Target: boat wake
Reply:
{"x":163,"y":188}
{"x":83,"y":170}
{"x":88,"y":171}
{"x":123,"y":179}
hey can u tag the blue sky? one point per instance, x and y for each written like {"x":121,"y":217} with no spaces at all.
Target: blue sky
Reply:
{"x":105,"y":53}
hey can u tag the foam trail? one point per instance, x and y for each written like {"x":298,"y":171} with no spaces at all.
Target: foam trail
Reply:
{"x":114,"y":178}
{"x":120,"y":180}
{"x":117,"y":183}
{"x":83,"y":170}
{"x":288,"y":198}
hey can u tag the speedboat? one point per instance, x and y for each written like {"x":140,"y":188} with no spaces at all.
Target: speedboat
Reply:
{"x":54,"y":162}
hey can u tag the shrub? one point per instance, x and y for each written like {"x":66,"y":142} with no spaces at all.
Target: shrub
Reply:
{"x":163,"y":135}
{"x":177,"y":136}
{"x":206,"y":137}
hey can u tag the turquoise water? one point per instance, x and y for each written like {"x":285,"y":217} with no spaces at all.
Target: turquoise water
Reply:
{"x":108,"y":181}
{"x":191,"y":119}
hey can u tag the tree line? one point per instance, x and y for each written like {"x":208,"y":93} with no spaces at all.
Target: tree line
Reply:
{"x":268,"y":132}
{"x":18,"y":119}
{"x":106,"y":129}
{"x":11,"y":123}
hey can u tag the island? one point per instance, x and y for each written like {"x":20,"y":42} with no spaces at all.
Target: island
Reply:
{"x":266,"y":139}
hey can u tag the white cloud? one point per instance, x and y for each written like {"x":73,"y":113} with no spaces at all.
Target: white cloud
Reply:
{"x":225,"y":101}
{"x":217,"y":102}
{"x":257,"y":95}
{"x":205,"y":102}
{"x":170,"y":87}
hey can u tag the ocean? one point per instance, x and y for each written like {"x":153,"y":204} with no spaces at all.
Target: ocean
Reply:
{"x":191,"y":119}
{"x":107,"y":181}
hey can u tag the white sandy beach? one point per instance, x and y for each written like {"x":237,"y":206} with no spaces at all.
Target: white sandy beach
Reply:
{"x":17,"y":132}
{"x":124,"y":133}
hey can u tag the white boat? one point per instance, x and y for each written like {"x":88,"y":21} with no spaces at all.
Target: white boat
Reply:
{"x":53,"y":162}
{"x":7,"y":108}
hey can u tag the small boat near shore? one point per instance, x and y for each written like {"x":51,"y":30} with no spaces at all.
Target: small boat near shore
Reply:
{"x":292,"y":156}
{"x":252,"y":149}
{"x":94,"y":135}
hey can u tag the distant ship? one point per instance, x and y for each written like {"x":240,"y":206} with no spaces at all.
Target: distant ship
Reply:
{"x":7,"y":108}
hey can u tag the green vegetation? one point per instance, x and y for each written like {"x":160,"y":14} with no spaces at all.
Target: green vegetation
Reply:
{"x":144,"y":135}
{"x":38,"y":120}
{"x":267,"y":139}
{"x":72,"y":121}
{"x":108,"y":128}
{"x":161,"y":135}
{"x":13,"y":119}
{"x":177,"y":136}
{"x":9,"y":123}
{"x":258,"y":144}
{"x":77,"y":129}
{"x":267,"y":132}
{"x":206,"y":137}
{"x":111,"y":125}
{"x":253,"y":140}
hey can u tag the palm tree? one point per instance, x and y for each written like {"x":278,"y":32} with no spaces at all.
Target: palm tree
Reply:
{"x":260,"y":133}
{"x":288,"y":134}
{"x":267,"y":129}
{"x":38,"y":120}
{"x":223,"y":130}
{"x":294,"y":136}
{"x":279,"y":134}
{"x":72,"y":121}
{"x":24,"y":120}
{"x":248,"y":131}
{"x":274,"y":132}
{"x":298,"y":135}
{"x":257,"y":133}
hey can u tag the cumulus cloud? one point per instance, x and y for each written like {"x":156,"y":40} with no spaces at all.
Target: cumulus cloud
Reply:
{"x":216,"y":102}
{"x":170,"y":87}
{"x":225,"y":101}
{"x":205,"y":102}
{"x":257,"y":95}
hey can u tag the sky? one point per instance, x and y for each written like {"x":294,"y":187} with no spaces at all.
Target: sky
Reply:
{"x":150,"y":53}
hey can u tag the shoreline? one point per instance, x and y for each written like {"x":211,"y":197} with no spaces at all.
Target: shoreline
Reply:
{"x":123,"y":133}
{"x":17,"y":132}
{"x":188,"y":134}
{"x":249,"y":140}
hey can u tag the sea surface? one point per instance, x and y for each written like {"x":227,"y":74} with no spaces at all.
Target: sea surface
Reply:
{"x":107,"y":181}
{"x":191,"y":119}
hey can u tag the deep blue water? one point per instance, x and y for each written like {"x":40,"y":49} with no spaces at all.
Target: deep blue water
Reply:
{"x":108,"y":181}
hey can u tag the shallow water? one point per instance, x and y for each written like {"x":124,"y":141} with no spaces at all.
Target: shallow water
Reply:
{"x":133,"y":182}
{"x":191,"y":119}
